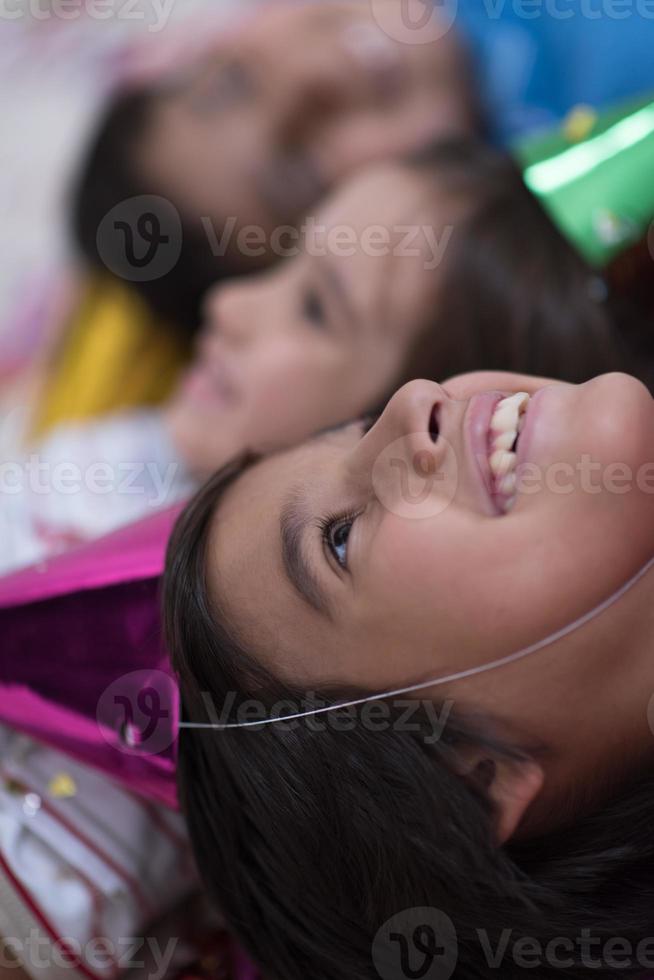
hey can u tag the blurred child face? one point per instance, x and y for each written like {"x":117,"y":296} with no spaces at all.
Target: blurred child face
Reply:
{"x":386,"y":556}
{"x":324,"y":336}
{"x":303,"y":95}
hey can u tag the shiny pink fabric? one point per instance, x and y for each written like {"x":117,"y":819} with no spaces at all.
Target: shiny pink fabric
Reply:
{"x":80,"y":648}
{"x":82,"y":666}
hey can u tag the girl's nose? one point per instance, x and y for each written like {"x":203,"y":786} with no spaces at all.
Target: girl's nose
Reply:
{"x":413,"y":414}
{"x":312,"y":91}
{"x":406,"y":445}
{"x":231,"y":312}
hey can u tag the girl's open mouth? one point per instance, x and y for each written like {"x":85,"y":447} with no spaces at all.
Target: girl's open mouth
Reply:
{"x":507,"y":422}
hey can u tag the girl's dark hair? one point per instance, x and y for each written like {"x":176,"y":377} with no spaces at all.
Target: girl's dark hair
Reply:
{"x":311,"y":836}
{"x":513,"y":293}
{"x":109,"y":177}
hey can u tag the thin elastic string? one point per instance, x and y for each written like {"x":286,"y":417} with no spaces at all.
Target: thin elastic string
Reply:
{"x":471,"y":672}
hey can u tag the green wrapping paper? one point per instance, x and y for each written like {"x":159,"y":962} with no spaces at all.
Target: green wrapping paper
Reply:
{"x":595,"y":177}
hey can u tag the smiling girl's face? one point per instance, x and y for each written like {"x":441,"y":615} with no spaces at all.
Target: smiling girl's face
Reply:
{"x":377,"y":556}
{"x":384,"y":556}
{"x":326,"y":334}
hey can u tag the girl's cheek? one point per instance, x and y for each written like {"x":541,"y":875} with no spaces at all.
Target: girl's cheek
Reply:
{"x":406,"y":556}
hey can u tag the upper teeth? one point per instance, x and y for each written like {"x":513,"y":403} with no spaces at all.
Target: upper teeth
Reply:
{"x":506,"y":424}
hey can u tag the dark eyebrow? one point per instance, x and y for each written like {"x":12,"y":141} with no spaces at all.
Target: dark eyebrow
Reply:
{"x":293,"y":525}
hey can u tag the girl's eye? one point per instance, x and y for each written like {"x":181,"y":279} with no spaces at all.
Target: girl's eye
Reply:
{"x":336,"y":534}
{"x":228,"y":84}
{"x":313,"y":309}
{"x":368,"y":422}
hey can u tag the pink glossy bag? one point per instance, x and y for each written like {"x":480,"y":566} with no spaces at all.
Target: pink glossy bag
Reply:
{"x":82,"y":665}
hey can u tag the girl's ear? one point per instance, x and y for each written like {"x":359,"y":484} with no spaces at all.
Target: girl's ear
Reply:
{"x":511,"y":785}
{"x":513,"y":789}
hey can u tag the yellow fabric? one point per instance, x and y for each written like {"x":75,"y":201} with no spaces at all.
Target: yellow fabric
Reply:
{"x":114,"y":355}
